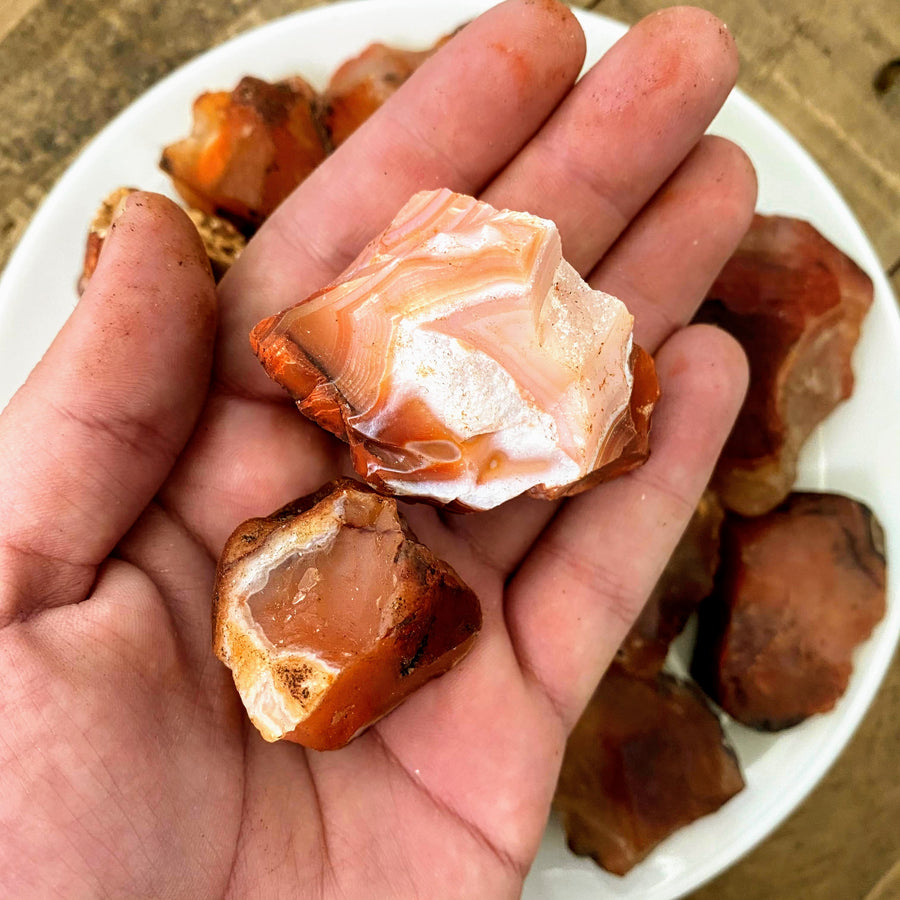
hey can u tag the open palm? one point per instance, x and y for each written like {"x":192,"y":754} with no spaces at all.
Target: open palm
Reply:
{"x":127,"y":765}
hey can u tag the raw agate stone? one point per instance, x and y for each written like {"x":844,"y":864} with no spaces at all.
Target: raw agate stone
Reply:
{"x":795,"y":302}
{"x":465,"y":362}
{"x":248,"y":149}
{"x":797,"y":591}
{"x":329,"y":614}
{"x":684,"y":583}
{"x":221,"y":240}
{"x":647,"y":757}
{"x":363,"y":83}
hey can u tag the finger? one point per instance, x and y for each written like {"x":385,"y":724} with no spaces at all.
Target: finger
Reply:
{"x":496,"y":539}
{"x":662,"y":266}
{"x":573,"y":600}
{"x":623,"y":130}
{"x":461,"y":116}
{"x":89,"y":438}
{"x":484,"y":711}
{"x":678,"y":241}
{"x":665,"y":262}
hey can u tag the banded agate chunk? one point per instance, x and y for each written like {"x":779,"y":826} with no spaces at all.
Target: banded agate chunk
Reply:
{"x":466,"y":362}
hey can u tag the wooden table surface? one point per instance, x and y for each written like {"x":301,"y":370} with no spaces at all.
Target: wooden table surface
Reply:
{"x":68,"y":66}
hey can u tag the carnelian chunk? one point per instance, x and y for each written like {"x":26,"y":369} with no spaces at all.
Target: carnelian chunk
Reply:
{"x":329,"y":614}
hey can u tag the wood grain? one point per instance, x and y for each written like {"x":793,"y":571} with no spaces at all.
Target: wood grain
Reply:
{"x":68,"y":66}
{"x":814,"y":65}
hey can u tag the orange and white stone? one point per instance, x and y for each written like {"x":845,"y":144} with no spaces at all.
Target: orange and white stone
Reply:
{"x":329,"y":614}
{"x":466,"y":362}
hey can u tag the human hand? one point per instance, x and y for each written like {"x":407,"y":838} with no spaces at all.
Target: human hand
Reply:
{"x":128,"y":765}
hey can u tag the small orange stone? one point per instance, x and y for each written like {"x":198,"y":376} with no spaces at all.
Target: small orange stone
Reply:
{"x":329,"y":614}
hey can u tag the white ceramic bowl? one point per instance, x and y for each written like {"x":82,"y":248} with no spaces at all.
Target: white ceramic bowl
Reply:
{"x":855,"y":451}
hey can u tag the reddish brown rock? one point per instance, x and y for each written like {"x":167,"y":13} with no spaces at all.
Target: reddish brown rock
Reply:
{"x":795,"y":302}
{"x":248,"y":149}
{"x":329,"y":614}
{"x":222,"y":241}
{"x":685,"y":582}
{"x":647,"y":758}
{"x":797,"y":591}
{"x":465,"y":362}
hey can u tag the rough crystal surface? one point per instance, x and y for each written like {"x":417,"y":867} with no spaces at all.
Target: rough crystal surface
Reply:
{"x":329,"y":614}
{"x":466,"y":362}
{"x":797,"y":591}
{"x":647,"y":757}
{"x":363,"y":83}
{"x":248,"y":149}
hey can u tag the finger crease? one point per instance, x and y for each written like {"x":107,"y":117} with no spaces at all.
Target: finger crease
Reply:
{"x":517,"y":868}
{"x":16,"y":607}
{"x":457,"y":528}
{"x":606,"y":583}
{"x":614,"y":280}
{"x":326,"y":255}
{"x":560,"y":710}
{"x":127,"y":431}
{"x":647,"y":477}
{"x":574,"y":171}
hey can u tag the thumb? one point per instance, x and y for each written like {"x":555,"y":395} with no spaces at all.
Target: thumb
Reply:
{"x":90,"y":437}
